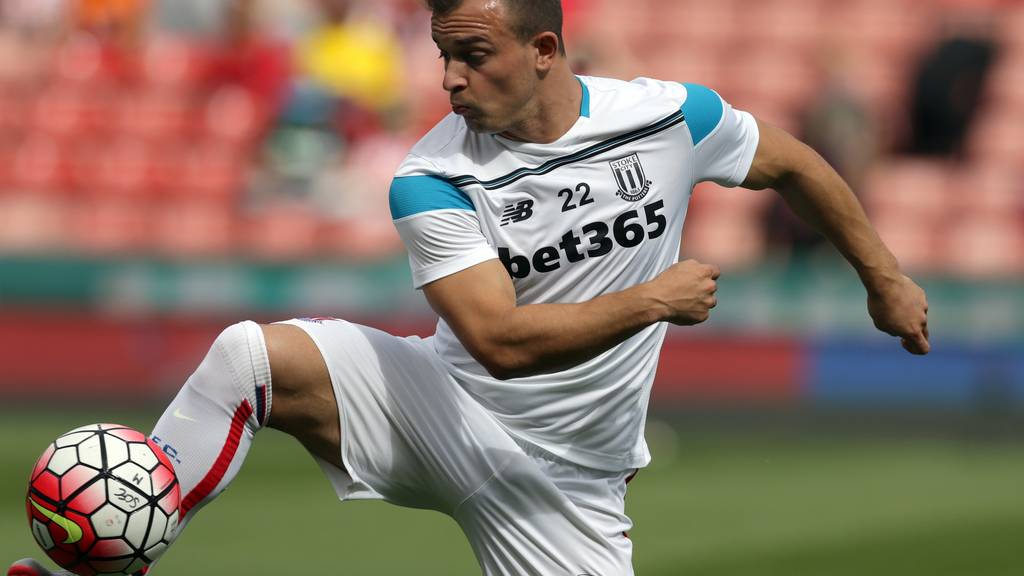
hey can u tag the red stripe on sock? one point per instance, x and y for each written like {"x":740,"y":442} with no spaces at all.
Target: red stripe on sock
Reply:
{"x":220,"y":466}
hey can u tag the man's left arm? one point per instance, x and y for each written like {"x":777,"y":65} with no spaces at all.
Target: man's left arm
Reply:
{"x":820,"y":197}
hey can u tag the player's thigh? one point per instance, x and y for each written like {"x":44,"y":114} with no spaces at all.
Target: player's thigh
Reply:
{"x":304,"y":404}
{"x":522,"y":524}
{"x":409,"y":432}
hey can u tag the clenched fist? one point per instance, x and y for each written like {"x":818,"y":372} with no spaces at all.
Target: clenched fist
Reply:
{"x":688,"y":290}
{"x":900,"y":308}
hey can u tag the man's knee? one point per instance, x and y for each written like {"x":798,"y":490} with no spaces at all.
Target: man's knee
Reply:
{"x":235,"y":372}
{"x":304,"y":402}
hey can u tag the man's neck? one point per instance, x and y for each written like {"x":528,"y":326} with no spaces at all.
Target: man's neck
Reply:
{"x":556,"y":109}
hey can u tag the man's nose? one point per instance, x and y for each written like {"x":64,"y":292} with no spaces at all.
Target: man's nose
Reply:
{"x":454,"y":77}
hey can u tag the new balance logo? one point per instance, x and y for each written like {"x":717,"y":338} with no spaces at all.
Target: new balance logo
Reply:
{"x":517,"y":212}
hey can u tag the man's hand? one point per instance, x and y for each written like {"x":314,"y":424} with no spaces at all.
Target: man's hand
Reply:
{"x":687,"y":289}
{"x":512,"y":341}
{"x":900,"y":308}
{"x":821,"y":198}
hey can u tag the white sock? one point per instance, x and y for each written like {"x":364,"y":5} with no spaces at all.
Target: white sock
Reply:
{"x":208,"y":427}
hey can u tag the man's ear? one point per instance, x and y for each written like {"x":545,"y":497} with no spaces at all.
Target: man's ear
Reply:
{"x":548,"y":50}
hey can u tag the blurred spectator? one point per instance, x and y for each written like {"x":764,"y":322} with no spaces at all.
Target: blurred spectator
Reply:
{"x":354,"y":58}
{"x":317,"y":101}
{"x":348,"y":83}
{"x":27,"y":32}
{"x":838,"y":126}
{"x":190,"y":18}
{"x":598,"y":41}
{"x":948,"y":85}
{"x":33,"y":16}
{"x":245,"y":56}
{"x":117,"y":21}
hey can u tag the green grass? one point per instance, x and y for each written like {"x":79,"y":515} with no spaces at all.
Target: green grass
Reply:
{"x":718,"y":505}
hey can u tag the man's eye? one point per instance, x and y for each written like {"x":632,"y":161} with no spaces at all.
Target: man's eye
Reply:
{"x":476,"y":58}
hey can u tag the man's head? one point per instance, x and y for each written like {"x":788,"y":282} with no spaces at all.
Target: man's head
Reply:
{"x":497,"y":54}
{"x":527,"y":17}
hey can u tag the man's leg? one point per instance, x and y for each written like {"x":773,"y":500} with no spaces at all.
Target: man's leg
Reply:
{"x":304,"y":402}
{"x":251,"y":373}
{"x":253,"y":376}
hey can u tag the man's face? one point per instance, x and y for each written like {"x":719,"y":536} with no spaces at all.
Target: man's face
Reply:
{"x":490,"y":75}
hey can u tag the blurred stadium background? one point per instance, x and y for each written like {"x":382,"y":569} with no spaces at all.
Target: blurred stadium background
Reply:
{"x":171,"y":166}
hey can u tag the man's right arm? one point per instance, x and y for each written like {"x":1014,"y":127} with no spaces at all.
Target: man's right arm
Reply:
{"x":510,"y":341}
{"x":466,"y":284}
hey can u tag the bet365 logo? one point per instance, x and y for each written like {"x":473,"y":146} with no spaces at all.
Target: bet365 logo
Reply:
{"x":595,"y":240}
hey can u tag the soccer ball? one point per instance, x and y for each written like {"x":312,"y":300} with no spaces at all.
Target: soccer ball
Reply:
{"x":103,"y":499}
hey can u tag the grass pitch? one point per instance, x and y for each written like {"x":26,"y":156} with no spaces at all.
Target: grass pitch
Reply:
{"x":713,"y":505}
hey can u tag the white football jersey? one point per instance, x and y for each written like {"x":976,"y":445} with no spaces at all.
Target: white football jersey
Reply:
{"x":597,"y":211}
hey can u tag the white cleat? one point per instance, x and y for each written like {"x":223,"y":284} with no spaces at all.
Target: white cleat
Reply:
{"x":30,"y":567}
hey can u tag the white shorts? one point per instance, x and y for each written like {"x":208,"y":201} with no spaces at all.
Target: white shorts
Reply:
{"x":412,"y":436}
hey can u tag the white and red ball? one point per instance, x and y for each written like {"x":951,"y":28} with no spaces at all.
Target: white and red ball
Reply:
{"x":103,"y":499}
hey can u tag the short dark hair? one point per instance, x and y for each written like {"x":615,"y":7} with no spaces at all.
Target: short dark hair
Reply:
{"x":530,"y":17}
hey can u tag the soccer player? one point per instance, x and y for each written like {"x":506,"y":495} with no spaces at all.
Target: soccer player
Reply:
{"x":543,"y":220}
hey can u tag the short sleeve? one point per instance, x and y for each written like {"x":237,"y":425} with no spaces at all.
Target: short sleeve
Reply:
{"x":724,"y":139}
{"x":439,"y":226}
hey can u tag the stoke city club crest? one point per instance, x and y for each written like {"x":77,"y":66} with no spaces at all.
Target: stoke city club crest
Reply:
{"x":630,"y":177}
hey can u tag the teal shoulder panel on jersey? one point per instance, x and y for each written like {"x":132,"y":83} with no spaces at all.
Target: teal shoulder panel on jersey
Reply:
{"x":703,"y":110}
{"x":585,"y":103}
{"x":411,"y":195}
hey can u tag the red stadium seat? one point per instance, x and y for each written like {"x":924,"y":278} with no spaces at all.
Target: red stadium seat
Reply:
{"x":7,"y":155}
{"x":710,"y":196}
{"x":794,"y":24}
{"x":122,"y":169}
{"x":730,"y":240}
{"x":84,"y":160}
{"x":79,"y":59}
{"x":155,"y":114}
{"x":687,"y":63}
{"x":915,"y":242}
{"x":15,"y":104}
{"x":281,"y":233}
{"x":173,"y":64}
{"x":880,"y":80}
{"x":110,"y":226}
{"x":40,"y":164}
{"x":191,"y":229}
{"x":62,"y":111}
{"x":1012,"y":27}
{"x":19,"y":58}
{"x":209,"y":170}
{"x":998,"y":136}
{"x":164,"y":168}
{"x":1005,"y":87}
{"x":893,"y":26}
{"x":358,"y":239}
{"x":909,"y":189}
{"x":30,"y":223}
{"x":985,"y":246}
{"x":85,"y":59}
{"x":713,"y":24}
{"x":233,"y":115}
{"x":989,"y":189}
